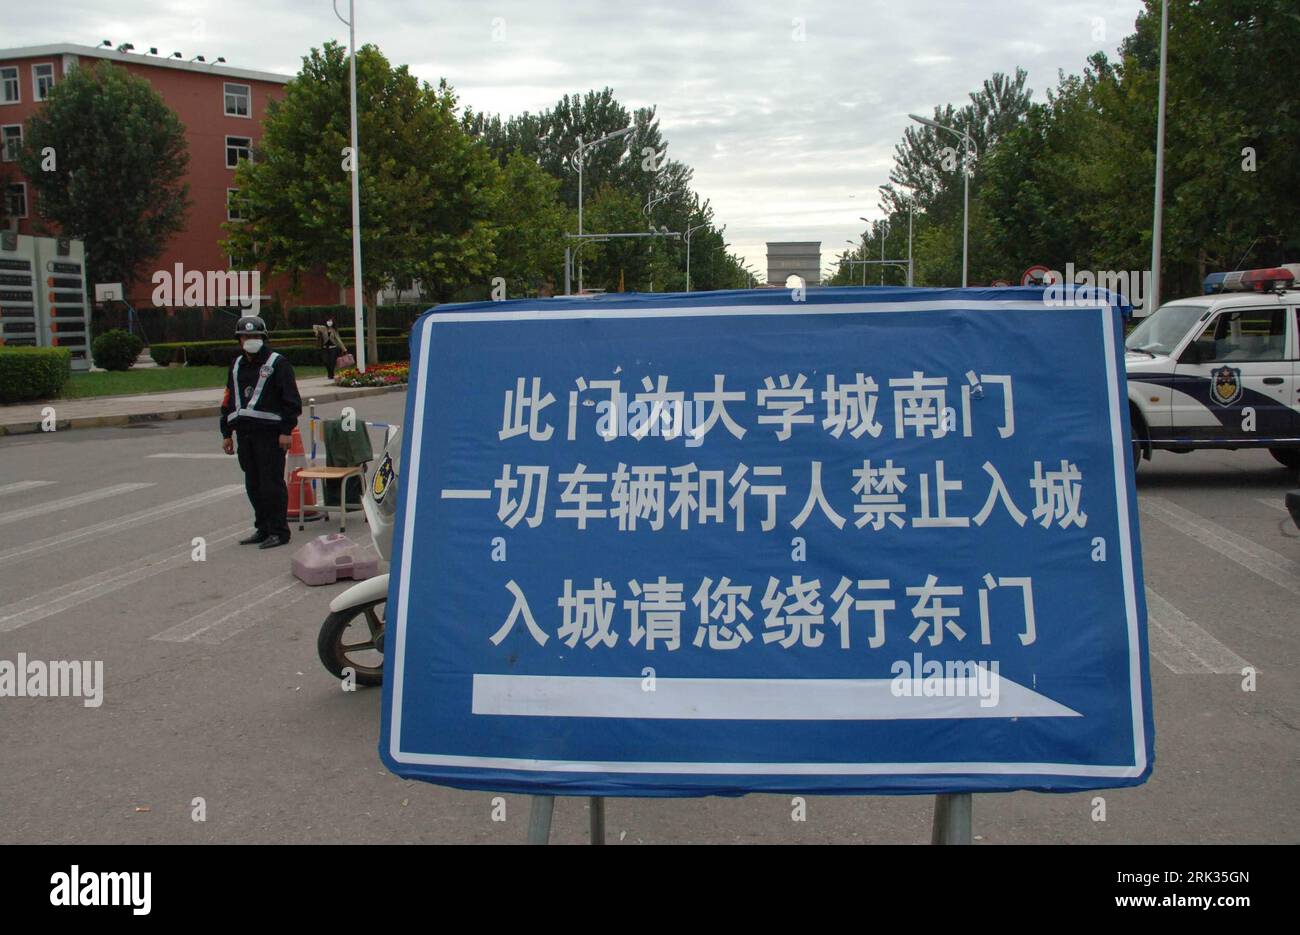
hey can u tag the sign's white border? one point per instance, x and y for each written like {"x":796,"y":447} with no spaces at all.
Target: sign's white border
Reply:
{"x":411,"y":476}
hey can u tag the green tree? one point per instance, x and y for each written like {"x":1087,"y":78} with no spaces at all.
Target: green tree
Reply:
{"x":5,"y":181}
{"x":427,"y":188}
{"x":106,"y":158}
{"x":928,"y":172}
{"x":620,"y":179}
{"x":1230,"y":88}
{"x":531,"y":223}
{"x":1072,"y":180}
{"x":624,"y":260}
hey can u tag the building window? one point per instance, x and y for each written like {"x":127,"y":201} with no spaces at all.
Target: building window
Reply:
{"x":239,"y":100}
{"x":9,"y":86}
{"x":11,"y":141}
{"x":237,"y":148}
{"x":42,"y":80}
{"x":16,"y":200}
{"x":232,"y":205}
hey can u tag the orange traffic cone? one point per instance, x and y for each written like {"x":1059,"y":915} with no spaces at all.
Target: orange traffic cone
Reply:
{"x":301,"y":494}
{"x":301,"y":497}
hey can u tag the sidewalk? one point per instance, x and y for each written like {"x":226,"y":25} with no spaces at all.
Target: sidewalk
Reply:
{"x":101,"y":411}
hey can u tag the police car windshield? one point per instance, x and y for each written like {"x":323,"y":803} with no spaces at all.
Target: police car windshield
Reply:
{"x":1161,"y":332}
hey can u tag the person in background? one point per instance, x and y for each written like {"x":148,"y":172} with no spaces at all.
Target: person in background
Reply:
{"x":260,"y":411}
{"x":331,"y":344}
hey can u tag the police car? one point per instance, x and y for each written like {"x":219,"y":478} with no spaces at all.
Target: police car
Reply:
{"x":1221,"y":370}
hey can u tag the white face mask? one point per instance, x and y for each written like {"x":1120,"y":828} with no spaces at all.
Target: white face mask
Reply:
{"x":253,"y":345}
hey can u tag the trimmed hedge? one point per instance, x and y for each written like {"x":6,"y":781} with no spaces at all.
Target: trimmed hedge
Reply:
{"x":33,"y":372}
{"x":116,"y":350}
{"x":221,"y":353}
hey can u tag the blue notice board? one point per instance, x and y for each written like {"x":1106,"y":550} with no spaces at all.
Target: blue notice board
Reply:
{"x":846,"y":541}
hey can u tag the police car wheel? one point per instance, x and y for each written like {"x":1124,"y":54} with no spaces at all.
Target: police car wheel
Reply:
{"x":1287,"y":457}
{"x":353,"y":639}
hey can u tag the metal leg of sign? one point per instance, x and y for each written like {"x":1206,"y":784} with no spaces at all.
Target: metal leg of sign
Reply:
{"x":952,"y":819}
{"x":539,"y":819}
{"x":597,"y":819}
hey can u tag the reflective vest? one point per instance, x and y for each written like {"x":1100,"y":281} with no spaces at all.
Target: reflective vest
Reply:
{"x":249,"y":409}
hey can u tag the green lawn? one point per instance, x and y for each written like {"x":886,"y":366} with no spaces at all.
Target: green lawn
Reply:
{"x":156,"y":380}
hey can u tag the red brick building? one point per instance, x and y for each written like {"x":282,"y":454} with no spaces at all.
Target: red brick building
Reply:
{"x":222,"y":109}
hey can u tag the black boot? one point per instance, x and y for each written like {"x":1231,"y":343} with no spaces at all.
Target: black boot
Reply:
{"x":273,"y":541}
{"x":255,"y":538}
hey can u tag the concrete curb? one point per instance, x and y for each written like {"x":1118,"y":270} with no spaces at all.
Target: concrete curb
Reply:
{"x":207,"y":410}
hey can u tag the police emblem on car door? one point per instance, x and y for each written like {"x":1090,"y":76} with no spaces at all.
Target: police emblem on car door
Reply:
{"x":383,"y":477}
{"x":1232,"y":385}
{"x":1225,"y":385}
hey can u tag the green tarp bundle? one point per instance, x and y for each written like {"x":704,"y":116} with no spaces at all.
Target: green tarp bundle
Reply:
{"x":345,"y":449}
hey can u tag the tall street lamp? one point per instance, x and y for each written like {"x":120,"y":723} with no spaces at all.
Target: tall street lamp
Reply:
{"x":1157,"y":221}
{"x":884,"y":228}
{"x":967,"y":146}
{"x":687,"y":235}
{"x":356,"y":188}
{"x":583,"y":147}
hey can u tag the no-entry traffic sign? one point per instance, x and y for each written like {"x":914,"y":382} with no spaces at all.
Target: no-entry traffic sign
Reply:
{"x":871,"y":541}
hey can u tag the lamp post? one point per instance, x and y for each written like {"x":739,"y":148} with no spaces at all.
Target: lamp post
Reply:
{"x":967,"y":146}
{"x":687,"y":235}
{"x":884,"y":227}
{"x":358,"y":312}
{"x":583,"y":147}
{"x":911,"y":208}
{"x":1157,"y":221}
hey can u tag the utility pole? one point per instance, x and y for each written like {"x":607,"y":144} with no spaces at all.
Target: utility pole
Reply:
{"x":357,"y":280}
{"x":1157,"y":222}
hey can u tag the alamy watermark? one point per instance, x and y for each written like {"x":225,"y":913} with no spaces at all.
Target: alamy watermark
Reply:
{"x":1089,"y":288}
{"x":196,"y":289}
{"x":80,"y":887}
{"x":60,"y":678}
{"x":956,"y":678}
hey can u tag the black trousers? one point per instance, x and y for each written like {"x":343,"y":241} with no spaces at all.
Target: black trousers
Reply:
{"x":262,"y":460}
{"x":331,"y":360}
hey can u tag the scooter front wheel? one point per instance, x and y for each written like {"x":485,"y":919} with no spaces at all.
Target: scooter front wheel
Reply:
{"x":353,"y":638}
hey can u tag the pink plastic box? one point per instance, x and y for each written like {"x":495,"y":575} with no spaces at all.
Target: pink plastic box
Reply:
{"x":328,"y":558}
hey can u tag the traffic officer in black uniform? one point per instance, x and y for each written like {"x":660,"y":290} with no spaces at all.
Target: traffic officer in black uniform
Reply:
{"x":260,"y":410}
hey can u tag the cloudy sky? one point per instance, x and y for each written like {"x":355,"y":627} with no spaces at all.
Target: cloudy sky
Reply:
{"x":787,"y":111}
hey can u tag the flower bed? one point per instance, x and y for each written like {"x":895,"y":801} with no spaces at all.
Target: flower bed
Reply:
{"x":379,"y":375}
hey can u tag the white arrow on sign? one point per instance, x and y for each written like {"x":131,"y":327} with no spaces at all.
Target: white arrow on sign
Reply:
{"x":984,"y":695}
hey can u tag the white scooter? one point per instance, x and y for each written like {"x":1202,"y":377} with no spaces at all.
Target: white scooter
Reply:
{"x":351,"y":640}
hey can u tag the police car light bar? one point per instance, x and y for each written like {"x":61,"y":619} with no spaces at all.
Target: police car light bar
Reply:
{"x":1253,"y":280}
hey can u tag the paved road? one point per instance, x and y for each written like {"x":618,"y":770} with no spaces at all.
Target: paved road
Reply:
{"x":213,"y":689}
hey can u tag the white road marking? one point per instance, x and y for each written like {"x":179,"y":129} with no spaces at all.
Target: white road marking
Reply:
{"x":233,"y":616}
{"x":68,"y":503}
{"x":191,"y":457}
{"x":1183,"y":646}
{"x":1266,"y":563}
{"x":20,"y":486}
{"x":55,"y":600}
{"x":74,"y":536}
